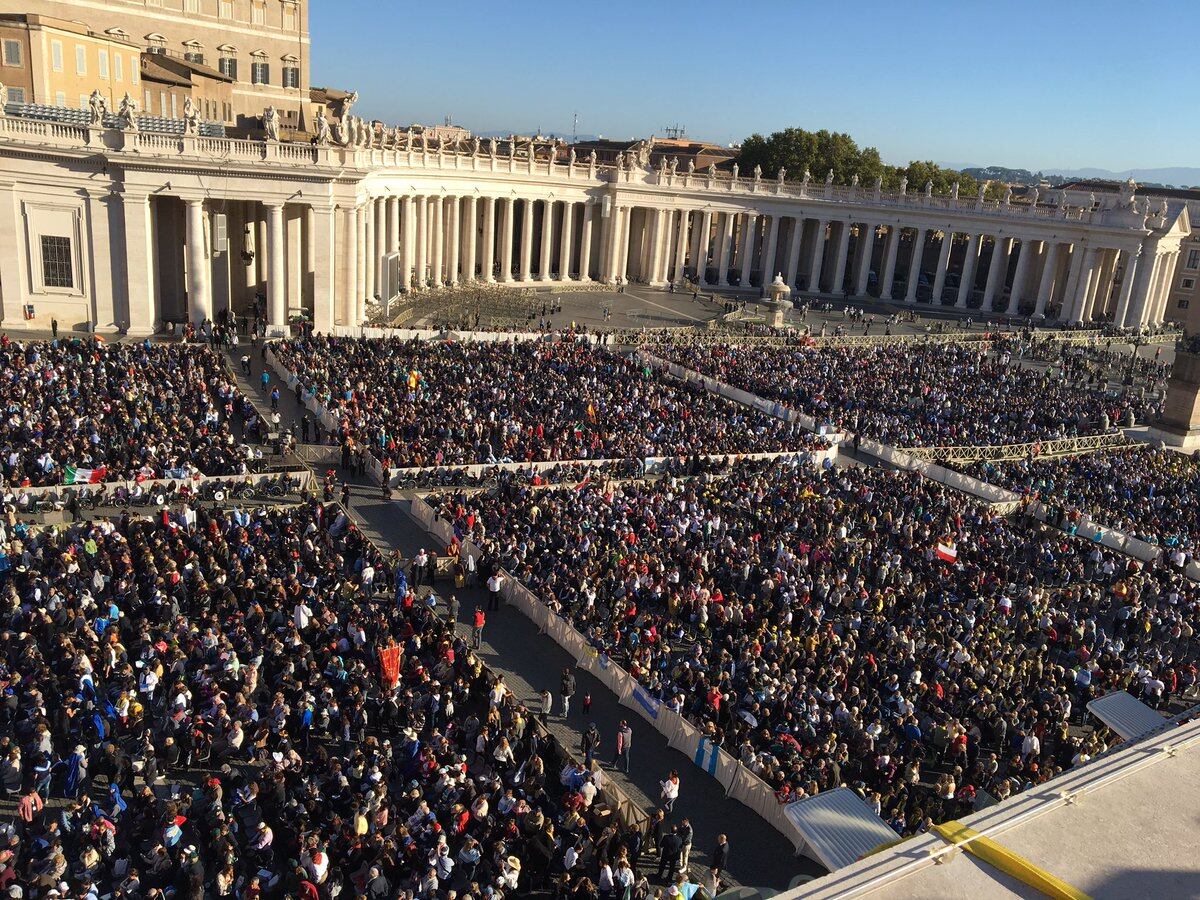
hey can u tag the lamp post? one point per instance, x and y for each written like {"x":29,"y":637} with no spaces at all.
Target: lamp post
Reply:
{"x":1139,"y":340}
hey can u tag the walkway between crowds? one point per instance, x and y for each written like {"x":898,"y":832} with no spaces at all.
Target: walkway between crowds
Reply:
{"x":531,"y":663}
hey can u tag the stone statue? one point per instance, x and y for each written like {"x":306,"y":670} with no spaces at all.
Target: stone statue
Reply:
{"x":854,"y":180}
{"x":807,"y":177}
{"x":126,"y":114}
{"x":475,"y":147}
{"x":829,"y":177}
{"x":191,"y":117}
{"x":1125,"y":197}
{"x":778,"y":277}
{"x":408,"y":138}
{"x":347,"y":103}
{"x":781,"y":176}
{"x":321,"y":128}
{"x":662,"y":166}
{"x":1008,"y":195}
{"x":954,"y":190}
{"x":928,"y":188}
{"x":878,"y":184}
{"x":712,"y":173}
{"x":903,"y":185}
{"x":492,"y":147}
{"x":691,"y":166}
{"x":270,"y":120}
{"x":735,"y":171}
{"x":643,"y":150}
{"x":673,"y":165}
{"x":757,"y":173}
{"x":1162,"y":208}
{"x":592,"y":158}
{"x":3,"y":100}
{"x":983,"y":186}
{"x":98,"y":107}
{"x":1033,"y":197}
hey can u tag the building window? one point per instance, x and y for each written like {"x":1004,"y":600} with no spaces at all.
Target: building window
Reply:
{"x":258,"y":13}
{"x":156,"y":43}
{"x":1184,"y":304}
{"x":83,"y":100}
{"x":102,"y":63}
{"x":118,"y":66}
{"x":260,"y":73}
{"x":228,"y":66}
{"x":56,"y":55}
{"x":174,"y":106}
{"x":226,"y":9}
{"x":149,"y":104}
{"x":133,"y":69}
{"x":12,"y":53}
{"x":291,"y":77}
{"x":1187,"y":284}
{"x":80,"y":60}
{"x":191,"y":6}
{"x":162,"y":103}
{"x":16,"y":95}
{"x":56,"y":262}
{"x":194,"y":56}
{"x":1193,"y":260}
{"x":289,"y":17}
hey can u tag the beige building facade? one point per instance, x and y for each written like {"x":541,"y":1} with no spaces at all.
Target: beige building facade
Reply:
{"x":261,"y":45}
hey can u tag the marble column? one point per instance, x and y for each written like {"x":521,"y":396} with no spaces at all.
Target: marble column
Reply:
{"x":545,"y":253}
{"x":139,"y":267}
{"x":507,"y":225}
{"x":421,"y":229}
{"x":795,"y":238}
{"x":350,"y":251}
{"x":840,"y":258}
{"x":1046,"y":282}
{"x":890,"y":251}
{"x":943,"y":264}
{"x":408,"y":243}
{"x":276,"y":287}
{"x":768,"y":259}
{"x":372,"y":263}
{"x":1130,"y":260}
{"x":723,"y":242}
{"x":454,"y":236}
{"x":585,"y":240}
{"x":866,"y":250}
{"x":437,"y":234}
{"x":294,"y":258}
{"x":199,"y":284}
{"x":681,"y":246}
{"x":1075,"y":270}
{"x":745,"y":257}
{"x":667,"y":245}
{"x":1026,"y":253}
{"x":321,"y":240}
{"x":623,"y":244}
{"x":393,"y":233}
{"x":1140,"y":288}
{"x":360,"y":266}
{"x":488,"y":257}
{"x":700,"y":255}
{"x":915,"y":259}
{"x":997,"y":268}
{"x":817,"y":260}
{"x":381,"y":246}
{"x":526,"y":239}
{"x":658,"y":218}
{"x":966,"y":283}
{"x":566,"y":241}
{"x":470,"y":234}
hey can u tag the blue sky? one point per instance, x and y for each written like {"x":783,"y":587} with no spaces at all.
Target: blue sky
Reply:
{"x":1050,"y":84}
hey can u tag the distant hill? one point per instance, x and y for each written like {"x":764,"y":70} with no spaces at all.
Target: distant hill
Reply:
{"x":1174,"y":176}
{"x":566,"y":136}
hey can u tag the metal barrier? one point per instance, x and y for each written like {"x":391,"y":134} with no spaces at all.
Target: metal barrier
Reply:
{"x":1070,"y":446}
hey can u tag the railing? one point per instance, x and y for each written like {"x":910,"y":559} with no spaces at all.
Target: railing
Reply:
{"x":1070,"y":446}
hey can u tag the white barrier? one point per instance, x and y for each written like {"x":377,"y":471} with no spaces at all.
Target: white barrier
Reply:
{"x":957,"y":480}
{"x":466,"y":337}
{"x":1088,"y":529}
{"x":739,"y":782}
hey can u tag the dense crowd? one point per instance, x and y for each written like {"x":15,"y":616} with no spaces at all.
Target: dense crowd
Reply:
{"x":84,"y":410}
{"x":917,"y":394}
{"x":1149,"y":493}
{"x":253,"y":704}
{"x":850,"y":626}
{"x":421,"y":403}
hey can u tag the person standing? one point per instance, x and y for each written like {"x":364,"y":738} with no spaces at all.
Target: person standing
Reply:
{"x":494,"y":584}
{"x":54,"y":328}
{"x":670,"y":792}
{"x":624,"y":742}
{"x":567,"y":690}
{"x":686,"y":836}
{"x":720,"y":855}
{"x":452,"y":612}
{"x":477,"y":631}
{"x":668,"y":856}
{"x":588,"y":744}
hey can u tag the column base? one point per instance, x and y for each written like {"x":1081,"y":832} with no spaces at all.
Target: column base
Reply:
{"x":140,"y":331}
{"x":276,"y":331}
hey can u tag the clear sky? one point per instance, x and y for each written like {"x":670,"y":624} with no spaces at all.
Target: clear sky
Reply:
{"x":1028,"y":83}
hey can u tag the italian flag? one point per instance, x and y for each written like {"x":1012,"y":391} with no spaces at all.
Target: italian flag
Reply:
{"x":586,"y":481}
{"x":946,"y":552}
{"x":85,"y":476}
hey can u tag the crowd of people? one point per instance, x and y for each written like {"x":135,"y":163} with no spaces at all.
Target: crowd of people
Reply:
{"x":422,"y":403}
{"x":254,"y":704}
{"x":834,"y":626}
{"x":1149,"y":493}
{"x":918,"y":394}
{"x":79,"y":409}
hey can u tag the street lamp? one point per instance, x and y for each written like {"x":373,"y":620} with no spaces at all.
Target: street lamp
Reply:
{"x":1139,"y":340}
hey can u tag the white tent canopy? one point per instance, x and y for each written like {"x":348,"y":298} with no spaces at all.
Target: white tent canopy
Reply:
{"x":1126,"y":715}
{"x":838,"y":827}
